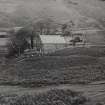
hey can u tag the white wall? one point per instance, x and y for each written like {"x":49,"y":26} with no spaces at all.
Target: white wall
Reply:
{"x":48,"y":48}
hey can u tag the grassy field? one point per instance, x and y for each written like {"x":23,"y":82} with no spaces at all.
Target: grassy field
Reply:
{"x":68,"y":66}
{"x":94,"y":51}
{"x":72,"y":65}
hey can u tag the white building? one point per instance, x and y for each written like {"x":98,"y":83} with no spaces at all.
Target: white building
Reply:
{"x":51,"y":43}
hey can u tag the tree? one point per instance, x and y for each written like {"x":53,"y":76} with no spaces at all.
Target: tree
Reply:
{"x":45,"y":26}
{"x":19,"y":41}
{"x":67,"y":28}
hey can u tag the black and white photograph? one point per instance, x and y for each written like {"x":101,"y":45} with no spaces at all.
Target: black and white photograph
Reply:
{"x":52,"y":52}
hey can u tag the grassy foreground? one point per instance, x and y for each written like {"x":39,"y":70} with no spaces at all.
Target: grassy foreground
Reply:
{"x":52,"y":97}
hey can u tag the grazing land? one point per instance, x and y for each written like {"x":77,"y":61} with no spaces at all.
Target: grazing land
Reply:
{"x":28,"y":78}
{"x":71,"y":65}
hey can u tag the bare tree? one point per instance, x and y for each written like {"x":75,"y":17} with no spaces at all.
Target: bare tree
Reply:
{"x":67,"y":28}
{"x":46,"y":26}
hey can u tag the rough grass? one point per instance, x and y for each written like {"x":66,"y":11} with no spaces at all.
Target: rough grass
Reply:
{"x":32,"y":77}
{"x":95,"y":51}
{"x":78,"y":65}
{"x":52,"y":97}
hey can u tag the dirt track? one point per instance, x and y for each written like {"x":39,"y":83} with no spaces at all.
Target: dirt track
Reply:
{"x":94,"y":91}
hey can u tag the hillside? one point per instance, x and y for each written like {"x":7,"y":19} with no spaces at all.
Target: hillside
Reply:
{"x":81,"y":12}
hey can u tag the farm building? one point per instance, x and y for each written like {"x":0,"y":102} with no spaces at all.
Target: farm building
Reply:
{"x":50,"y":43}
